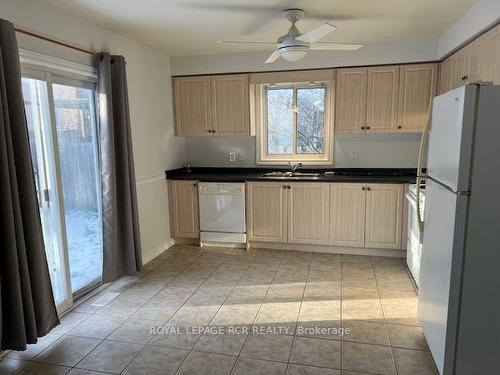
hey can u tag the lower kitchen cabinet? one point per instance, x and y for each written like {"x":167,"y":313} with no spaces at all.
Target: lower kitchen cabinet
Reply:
{"x":366,"y":215}
{"x":308,"y":213}
{"x":267,"y":211}
{"x":347,"y":214}
{"x":339,"y":214}
{"x":384,"y":216}
{"x":183,"y":201}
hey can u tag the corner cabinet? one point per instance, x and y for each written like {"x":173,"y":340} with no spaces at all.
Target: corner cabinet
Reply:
{"x":212,"y":105}
{"x":183,"y":201}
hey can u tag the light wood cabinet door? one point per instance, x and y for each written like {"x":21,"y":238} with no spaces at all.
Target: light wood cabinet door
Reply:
{"x":230,"y":101}
{"x":350,"y":97}
{"x":183,"y":200}
{"x":267,"y":211}
{"x":308,"y":213}
{"x":491,"y":63}
{"x":347,"y":214}
{"x":446,"y":75}
{"x":460,"y":67}
{"x":384,"y":210}
{"x":417,"y":87}
{"x":193,"y":106}
{"x":475,"y":56}
{"x":382,"y":99}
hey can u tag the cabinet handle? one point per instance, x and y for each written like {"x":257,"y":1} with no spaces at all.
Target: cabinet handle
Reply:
{"x":400,"y":127}
{"x":367,"y":128}
{"x":464,"y":78}
{"x":213,"y":131}
{"x":195,"y":185}
{"x":363,"y":188}
{"x":362,"y":128}
{"x":210,"y":131}
{"x":368,"y":188}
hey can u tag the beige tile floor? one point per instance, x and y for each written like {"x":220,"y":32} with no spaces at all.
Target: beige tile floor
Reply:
{"x":281,"y":312}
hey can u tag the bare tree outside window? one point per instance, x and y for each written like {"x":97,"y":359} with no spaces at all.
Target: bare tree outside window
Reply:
{"x":310,"y":120}
{"x":295,"y":121}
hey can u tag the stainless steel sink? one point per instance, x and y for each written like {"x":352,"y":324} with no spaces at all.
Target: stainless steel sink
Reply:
{"x":287,"y":175}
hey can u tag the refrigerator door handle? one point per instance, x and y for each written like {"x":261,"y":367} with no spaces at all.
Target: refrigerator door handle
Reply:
{"x":421,"y":176}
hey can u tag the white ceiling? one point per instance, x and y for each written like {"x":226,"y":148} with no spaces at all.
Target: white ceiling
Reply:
{"x":192,"y":27}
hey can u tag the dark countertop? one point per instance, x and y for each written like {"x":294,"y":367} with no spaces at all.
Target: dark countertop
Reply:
{"x":374,"y":175}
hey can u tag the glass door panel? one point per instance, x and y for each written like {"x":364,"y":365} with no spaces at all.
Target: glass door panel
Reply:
{"x":74,"y":109}
{"x":38,"y":121}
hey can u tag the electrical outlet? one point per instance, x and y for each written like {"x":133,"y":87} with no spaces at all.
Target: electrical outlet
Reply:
{"x":241,"y":156}
{"x":232,"y":156}
{"x":355,"y":154}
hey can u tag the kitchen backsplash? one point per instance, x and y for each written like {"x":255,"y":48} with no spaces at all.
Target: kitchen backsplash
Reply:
{"x":351,"y":151}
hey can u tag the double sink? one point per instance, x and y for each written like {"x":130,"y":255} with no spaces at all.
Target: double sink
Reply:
{"x":289,"y":174}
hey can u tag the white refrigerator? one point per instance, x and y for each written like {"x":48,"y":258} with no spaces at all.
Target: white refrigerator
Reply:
{"x":459,"y":293}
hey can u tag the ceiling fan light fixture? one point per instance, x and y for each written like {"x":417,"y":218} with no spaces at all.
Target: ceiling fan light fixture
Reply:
{"x":294,"y":53}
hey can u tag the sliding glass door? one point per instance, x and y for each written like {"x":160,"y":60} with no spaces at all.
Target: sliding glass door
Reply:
{"x":63,"y":140}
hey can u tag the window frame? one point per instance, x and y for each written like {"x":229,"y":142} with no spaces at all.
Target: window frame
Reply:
{"x":261,"y":124}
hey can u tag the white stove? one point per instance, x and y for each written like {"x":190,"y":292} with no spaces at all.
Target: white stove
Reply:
{"x":415,"y":236}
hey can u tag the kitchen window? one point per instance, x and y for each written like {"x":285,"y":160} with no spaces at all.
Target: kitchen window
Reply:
{"x":295,"y":123}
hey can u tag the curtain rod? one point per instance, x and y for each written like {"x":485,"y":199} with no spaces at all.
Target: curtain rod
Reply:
{"x":57,"y":42}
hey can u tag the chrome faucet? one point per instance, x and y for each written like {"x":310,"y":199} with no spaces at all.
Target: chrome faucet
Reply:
{"x":294,"y":167}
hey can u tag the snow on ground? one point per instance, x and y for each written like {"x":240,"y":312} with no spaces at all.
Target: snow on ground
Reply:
{"x":84,"y":246}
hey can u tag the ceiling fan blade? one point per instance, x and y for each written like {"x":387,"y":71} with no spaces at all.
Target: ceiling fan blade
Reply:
{"x":317,"y":33}
{"x":244,"y":42}
{"x":334,"y":47}
{"x":274,"y":56}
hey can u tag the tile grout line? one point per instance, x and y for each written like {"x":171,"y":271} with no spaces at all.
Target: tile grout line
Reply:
{"x":257,"y":314}
{"x":385,"y":320}
{"x":126,"y":320}
{"x":298,"y":313}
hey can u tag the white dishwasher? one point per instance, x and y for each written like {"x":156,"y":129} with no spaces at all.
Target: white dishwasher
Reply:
{"x":222,"y":213}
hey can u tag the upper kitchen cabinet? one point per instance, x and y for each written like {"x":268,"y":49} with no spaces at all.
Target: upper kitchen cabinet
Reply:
{"x":446,"y":75}
{"x":468,"y":64}
{"x":230,"y":98}
{"x":382,"y":99}
{"x":491,"y":49}
{"x":417,"y":86}
{"x":350,"y":103}
{"x":212,"y":105}
{"x":192,"y":105}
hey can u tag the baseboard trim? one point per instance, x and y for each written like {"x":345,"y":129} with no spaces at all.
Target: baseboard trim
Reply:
{"x":397,"y":253}
{"x":186,"y":241}
{"x":152,"y":254}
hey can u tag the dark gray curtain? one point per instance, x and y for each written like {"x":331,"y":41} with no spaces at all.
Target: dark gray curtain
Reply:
{"x":121,"y":246}
{"x":27,"y":310}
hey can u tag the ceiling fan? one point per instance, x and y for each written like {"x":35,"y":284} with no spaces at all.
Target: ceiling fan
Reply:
{"x":294,"y":45}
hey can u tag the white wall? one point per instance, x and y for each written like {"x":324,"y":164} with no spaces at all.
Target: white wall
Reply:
{"x":480,"y":17}
{"x":254,"y":62}
{"x":372,"y":150}
{"x":382,"y":151}
{"x":150,"y":96}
